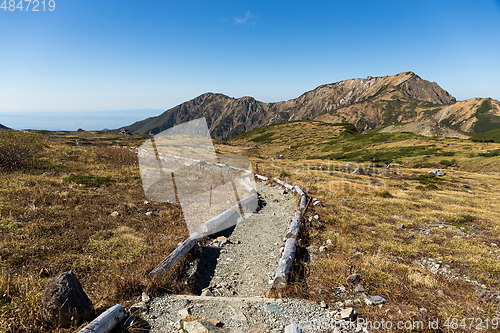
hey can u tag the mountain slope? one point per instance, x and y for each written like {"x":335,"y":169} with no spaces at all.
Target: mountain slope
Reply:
{"x":366,"y":103}
{"x":2,"y":127}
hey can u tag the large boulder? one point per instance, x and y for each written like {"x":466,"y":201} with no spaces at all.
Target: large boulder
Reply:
{"x":64,"y":302}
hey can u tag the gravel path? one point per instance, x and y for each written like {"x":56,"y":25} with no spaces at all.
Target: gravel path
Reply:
{"x":242,"y":264}
{"x":238,"y":265}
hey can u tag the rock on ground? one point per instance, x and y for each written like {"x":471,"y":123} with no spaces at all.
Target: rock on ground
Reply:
{"x":64,"y":302}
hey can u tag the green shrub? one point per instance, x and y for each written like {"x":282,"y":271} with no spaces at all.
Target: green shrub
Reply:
{"x":447,"y":162}
{"x":446,"y":153}
{"x":492,"y":153}
{"x":428,"y":179}
{"x":465,"y":218}
{"x":264,"y":138}
{"x":19,"y":148}
{"x":428,"y":187}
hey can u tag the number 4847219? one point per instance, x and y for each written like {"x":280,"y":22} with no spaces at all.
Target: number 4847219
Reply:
{"x":27,"y":5}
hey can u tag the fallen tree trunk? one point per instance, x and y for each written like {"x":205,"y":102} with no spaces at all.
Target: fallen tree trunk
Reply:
{"x":303,"y":197}
{"x":250,"y":203}
{"x":295,"y":226}
{"x":288,"y":255}
{"x":176,"y":255}
{"x":284,"y":184}
{"x":284,"y":265}
{"x":106,"y":321}
{"x":221,"y":222}
{"x":261,"y":177}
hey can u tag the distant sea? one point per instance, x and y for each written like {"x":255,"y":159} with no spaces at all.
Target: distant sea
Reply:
{"x":73,"y":120}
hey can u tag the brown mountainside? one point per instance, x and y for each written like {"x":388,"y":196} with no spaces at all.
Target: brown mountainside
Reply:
{"x":367,"y":103}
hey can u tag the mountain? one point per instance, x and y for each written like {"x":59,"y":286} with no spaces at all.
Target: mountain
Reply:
{"x":369,"y":103}
{"x":2,"y":127}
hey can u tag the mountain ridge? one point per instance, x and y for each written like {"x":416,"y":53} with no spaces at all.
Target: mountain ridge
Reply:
{"x":367,"y":103}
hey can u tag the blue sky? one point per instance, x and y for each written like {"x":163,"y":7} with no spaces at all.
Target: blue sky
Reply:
{"x":108,"y":57}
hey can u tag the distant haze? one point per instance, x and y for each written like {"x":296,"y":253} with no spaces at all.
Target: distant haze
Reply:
{"x":71,"y":121}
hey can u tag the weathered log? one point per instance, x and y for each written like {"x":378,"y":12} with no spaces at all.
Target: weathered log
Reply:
{"x":303,"y":201}
{"x":303,"y":197}
{"x":293,"y":328}
{"x":295,"y":226}
{"x":106,"y":321}
{"x":176,"y":255}
{"x":221,"y":222}
{"x":250,"y":203}
{"x":261,"y":177}
{"x":299,"y":191}
{"x":230,"y":217}
{"x":284,"y":184}
{"x":284,"y":265}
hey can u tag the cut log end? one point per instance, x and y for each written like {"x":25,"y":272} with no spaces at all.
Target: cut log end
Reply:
{"x":279,"y":283}
{"x":108,"y":320}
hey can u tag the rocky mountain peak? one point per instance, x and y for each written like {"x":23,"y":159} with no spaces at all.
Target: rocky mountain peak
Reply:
{"x":365,"y":102}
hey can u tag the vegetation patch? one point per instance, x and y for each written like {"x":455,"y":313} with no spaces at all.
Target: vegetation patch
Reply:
{"x":385,"y":155}
{"x":428,"y":187}
{"x":486,"y":121}
{"x":264,"y":138}
{"x":19,"y":148}
{"x":465,"y":218}
{"x":448,"y":163}
{"x":490,"y":136}
{"x":428,"y":179}
{"x":91,"y":181}
{"x":492,"y":153}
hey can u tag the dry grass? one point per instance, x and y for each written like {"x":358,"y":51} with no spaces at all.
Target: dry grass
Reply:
{"x":48,"y":226}
{"x":453,"y":220}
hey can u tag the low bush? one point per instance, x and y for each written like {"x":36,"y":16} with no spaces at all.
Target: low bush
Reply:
{"x":492,"y":153}
{"x":428,"y":179}
{"x":19,"y":148}
{"x":447,"y":162}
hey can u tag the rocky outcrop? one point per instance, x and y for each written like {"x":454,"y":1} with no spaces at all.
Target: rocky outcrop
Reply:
{"x":415,"y":88}
{"x":64,"y":302}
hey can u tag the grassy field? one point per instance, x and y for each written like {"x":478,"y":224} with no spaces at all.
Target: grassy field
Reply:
{"x":396,"y":225}
{"x":393,"y":227}
{"x":55,"y":216}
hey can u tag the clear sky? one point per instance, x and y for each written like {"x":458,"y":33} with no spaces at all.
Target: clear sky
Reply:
{"x":119,"y":55}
